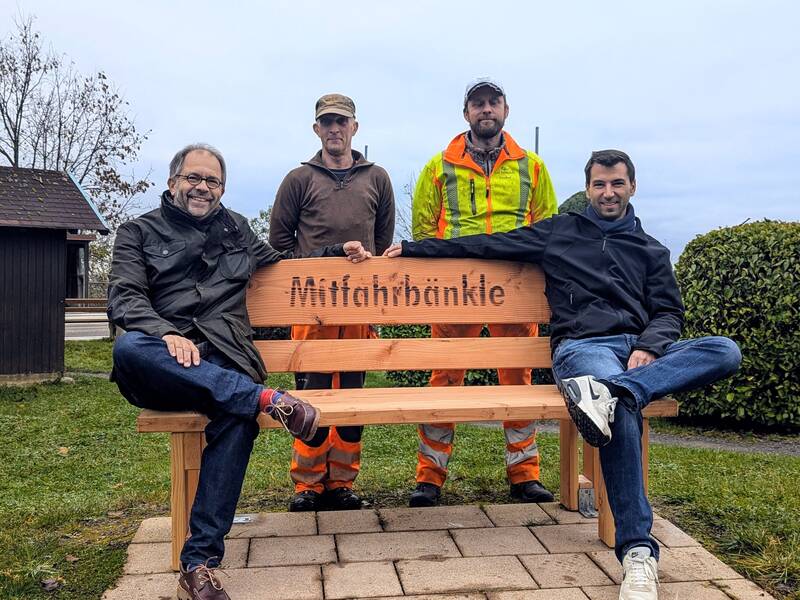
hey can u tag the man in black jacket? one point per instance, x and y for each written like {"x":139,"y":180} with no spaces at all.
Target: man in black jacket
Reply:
{"x":617,"y":315}
{"x":177,"y":287}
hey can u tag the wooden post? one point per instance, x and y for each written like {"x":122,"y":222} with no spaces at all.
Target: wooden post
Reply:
{"x":568,"y":446}
{"x":605,"y":522}
{"x":186,"y":450}
{"x":589,"y":456}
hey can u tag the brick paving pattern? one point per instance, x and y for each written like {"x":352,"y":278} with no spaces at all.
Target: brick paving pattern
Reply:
{"x":494,"y":552}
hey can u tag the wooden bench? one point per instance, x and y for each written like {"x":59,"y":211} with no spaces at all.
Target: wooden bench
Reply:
{"x":88,"y":310}
{"x":331,"y":291}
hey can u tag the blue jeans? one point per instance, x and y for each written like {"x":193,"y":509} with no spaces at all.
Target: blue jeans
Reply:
{"x":148,"y":377}
{"x":687,"y":364}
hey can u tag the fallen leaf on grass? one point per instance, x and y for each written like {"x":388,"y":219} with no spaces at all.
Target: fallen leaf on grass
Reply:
{"x":71,"y":558}
{"x":115,"y":514}
{"x":63,"y":450}
{"x":52,"y":584}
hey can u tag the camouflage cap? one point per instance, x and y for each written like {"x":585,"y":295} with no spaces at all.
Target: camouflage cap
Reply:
{"x":335,"y":104}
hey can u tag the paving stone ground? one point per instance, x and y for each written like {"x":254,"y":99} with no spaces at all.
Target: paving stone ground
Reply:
{"x":493,"y":552}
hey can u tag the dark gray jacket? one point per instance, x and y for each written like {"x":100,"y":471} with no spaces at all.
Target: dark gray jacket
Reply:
{"x":174,"y":274}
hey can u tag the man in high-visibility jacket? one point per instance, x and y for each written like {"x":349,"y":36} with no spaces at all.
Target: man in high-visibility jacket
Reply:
{"x":483,"y":182}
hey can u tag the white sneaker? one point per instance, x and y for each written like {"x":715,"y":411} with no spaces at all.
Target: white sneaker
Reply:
{"x":640,"y":576}
{"x":591,"y":407}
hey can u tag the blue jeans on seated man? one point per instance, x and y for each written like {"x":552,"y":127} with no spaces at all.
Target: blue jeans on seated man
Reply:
{"x":687,"y":364}
{"x":148,"y":377}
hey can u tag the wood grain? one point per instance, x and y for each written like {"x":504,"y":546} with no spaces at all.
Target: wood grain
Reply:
{"x":374,"y":406}
{"x":400,"y":354}
{"x":393,"y":291}
{"x":568,"y":446}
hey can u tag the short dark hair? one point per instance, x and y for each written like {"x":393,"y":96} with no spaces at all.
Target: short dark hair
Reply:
{"x":176,"y":164}
{"x":609,"y":158}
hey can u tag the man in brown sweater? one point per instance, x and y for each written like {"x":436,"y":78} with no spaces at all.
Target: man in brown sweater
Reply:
{"x":335,"y":196}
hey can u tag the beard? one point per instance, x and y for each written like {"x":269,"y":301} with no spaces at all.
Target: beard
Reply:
{"x":482,"y":129}
{"x":337,"y":148}
{"x":182,"y":199}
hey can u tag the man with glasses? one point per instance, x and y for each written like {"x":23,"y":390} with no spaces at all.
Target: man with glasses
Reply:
{"x":337,"y":195}
{"x":177,"y":287}
{"x":483,"y":182}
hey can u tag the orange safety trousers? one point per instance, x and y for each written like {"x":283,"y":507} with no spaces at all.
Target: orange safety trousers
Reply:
{"x":332,"y":458}
{"x":436,"y":441}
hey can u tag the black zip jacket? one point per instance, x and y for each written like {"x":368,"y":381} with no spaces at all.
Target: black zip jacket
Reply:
{"x":172,"y":273}
{"x":597,"y":284}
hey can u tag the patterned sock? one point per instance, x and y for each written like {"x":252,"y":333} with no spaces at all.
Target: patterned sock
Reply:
{"x":267,"y":398}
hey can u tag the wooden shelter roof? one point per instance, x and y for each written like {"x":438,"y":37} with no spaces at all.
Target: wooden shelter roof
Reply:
{"x":45,"y":199}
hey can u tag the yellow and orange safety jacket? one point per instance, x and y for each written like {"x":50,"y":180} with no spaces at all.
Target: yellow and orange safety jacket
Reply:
{"x":454,"y":197}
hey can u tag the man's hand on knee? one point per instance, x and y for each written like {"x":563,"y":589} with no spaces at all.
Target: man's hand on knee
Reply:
{"x":184,"y":350}
{"x":640,"y":358}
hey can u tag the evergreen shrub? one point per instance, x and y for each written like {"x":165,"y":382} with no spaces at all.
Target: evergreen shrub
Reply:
{"x":743,"y":282}
{"x":575,"y":203}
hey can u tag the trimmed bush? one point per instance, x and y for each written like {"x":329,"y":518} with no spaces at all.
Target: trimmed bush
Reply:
{"x":421,"y":378}
{"x":743,"y":282}
{"x":575,"y":203}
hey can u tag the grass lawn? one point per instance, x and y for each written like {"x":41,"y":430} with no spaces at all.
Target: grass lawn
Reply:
{"x":77,"y":481}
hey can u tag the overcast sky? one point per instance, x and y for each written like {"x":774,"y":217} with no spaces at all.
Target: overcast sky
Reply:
{"x":704,"y":96}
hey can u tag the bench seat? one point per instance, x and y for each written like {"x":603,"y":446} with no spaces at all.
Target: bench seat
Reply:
{"x":379,"y":406}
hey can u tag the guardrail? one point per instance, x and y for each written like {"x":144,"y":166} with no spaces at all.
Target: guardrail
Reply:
{"x":88,"y":310}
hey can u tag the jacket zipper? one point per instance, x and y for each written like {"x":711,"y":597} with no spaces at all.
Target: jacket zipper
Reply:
{"x":604,"y":245}
{"x":489,"y":205}
{"x":472,"y":197}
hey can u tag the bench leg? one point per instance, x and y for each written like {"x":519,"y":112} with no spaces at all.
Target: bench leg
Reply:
{"x":605,"y":521}
{"x":605,"y":525}
{"x":568,"y":446}
{"x":186,"y":450}
{"x":590,"y":459}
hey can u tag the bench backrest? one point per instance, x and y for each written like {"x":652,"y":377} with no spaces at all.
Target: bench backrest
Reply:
{"x":381,"y":291}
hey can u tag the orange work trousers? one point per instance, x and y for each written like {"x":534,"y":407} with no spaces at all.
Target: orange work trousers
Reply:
{"x":436,"y":441}
{"x":332,"y":458}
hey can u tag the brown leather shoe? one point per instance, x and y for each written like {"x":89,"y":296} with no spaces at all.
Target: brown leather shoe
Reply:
{"x":201,"y":583}
{"x":297,"y":417}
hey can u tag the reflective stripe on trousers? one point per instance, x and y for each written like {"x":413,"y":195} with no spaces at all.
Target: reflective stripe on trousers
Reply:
{"x":436,"y":441}
{"x":332,"y":458}
{"x":334,"y":463}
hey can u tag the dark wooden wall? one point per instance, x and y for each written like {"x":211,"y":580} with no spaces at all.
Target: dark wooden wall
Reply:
{"x":32,"y":276}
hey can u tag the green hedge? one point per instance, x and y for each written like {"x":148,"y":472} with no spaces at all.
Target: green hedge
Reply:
{"x":421,"y":378}
{"x":575,"y":203}
{"x":744,"y":282}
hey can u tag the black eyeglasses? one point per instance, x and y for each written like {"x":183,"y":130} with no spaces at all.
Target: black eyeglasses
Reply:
{"x":194,"y":179}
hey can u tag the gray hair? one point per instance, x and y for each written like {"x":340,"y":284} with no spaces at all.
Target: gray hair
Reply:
{"x":176,"y":164}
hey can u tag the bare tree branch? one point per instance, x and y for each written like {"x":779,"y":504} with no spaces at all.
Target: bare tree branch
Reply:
{"x":53,"y":117}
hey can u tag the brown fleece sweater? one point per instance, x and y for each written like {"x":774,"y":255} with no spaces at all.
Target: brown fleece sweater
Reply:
{"x":314,"y":209}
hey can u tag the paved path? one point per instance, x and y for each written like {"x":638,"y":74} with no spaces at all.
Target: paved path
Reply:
{"x":495,"y":552}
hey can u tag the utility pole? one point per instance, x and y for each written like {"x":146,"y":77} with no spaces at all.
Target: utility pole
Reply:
{"x":536,"y":142}
{"x":366,"y":150}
